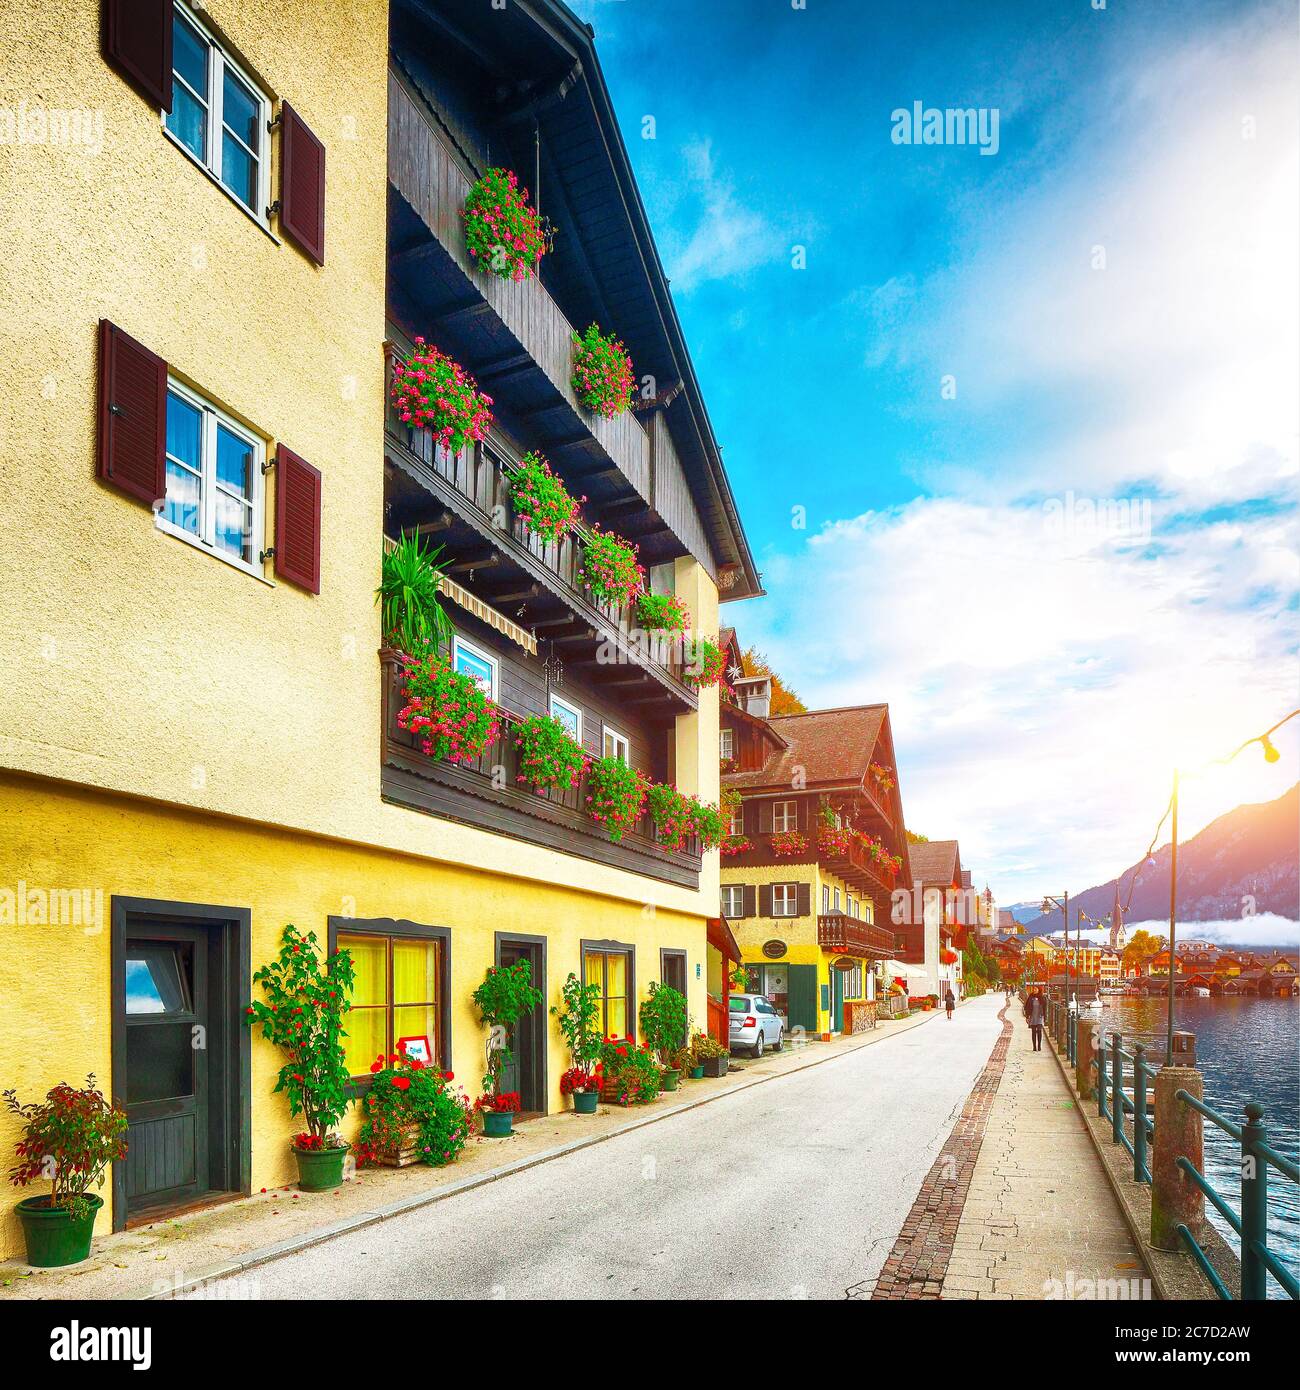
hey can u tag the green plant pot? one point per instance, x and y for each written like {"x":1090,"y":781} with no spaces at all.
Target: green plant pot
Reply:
{"x":668,"y":1079}
{"x":697,"y":1072}
{"x":498,"y":1124}
{"x":584,"y":1102}
{"x":319,"y":1170}
{"x":53,"y":1236}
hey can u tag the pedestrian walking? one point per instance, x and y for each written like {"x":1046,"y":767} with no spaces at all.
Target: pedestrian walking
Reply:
{"x":1035,"y":1016}
{"x":949,"y":1002}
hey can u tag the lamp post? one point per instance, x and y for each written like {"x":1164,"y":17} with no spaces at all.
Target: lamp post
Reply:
{"x":1063,"y":902}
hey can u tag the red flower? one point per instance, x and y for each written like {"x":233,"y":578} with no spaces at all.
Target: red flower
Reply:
{"x":376,"y":1066}
{"x":402,"y":1083}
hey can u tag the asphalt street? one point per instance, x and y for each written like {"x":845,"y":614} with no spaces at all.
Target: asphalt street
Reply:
{"x":795,"y":1188}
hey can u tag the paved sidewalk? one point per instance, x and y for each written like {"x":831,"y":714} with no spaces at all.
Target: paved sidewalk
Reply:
{"x":1040,"y":1218}
{"x":168,"y":1256}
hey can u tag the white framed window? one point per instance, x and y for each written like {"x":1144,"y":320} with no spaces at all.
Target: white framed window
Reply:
{"x":727,"y":745}
{"x":214,"y":480}
{"x":615,"y":745}
{"x":219,"y":115}
{"x":826,"y":897}
{"x":568,"y":715}
{"x":736,"y":820}
{"x":785,"y":816}
{"x":477,"y":664}
{"x":837,"y":900}
{"x":785,"y":900}
{"x":733,"y":899}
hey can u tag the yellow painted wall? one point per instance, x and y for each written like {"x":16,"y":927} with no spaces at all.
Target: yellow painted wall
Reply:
{"x":55,"y":982}
{"x":192,"y":682}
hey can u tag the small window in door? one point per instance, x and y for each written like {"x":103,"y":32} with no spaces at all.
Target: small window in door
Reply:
{"x":157,"y":981}
{"x":617,"y":746}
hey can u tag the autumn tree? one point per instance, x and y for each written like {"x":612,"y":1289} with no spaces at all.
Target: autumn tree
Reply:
{"x":1140,"y":948}
{"x":914,"y":837}
{"x":784,"y":700}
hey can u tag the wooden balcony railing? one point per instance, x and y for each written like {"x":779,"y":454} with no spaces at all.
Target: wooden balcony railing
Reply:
{"x":434,"y":181}
{"x":850,"y":936}
{"x":478,"y":477}
{"x":486,"y":793}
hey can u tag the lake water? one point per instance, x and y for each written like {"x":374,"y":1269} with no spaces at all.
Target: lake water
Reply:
{"x":1247,"y":1049}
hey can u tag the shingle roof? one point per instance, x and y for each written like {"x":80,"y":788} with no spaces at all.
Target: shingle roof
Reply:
{"x":934,"y":862}
{"x":830,"y":745}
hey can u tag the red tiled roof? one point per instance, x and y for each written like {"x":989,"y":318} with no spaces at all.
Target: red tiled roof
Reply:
{"x":829,"y":745}
{"x":934,"y":862}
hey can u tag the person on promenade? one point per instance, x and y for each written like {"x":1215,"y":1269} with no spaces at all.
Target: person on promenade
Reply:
{"x":949,"y":1002}
{"x":1035,"y":1016}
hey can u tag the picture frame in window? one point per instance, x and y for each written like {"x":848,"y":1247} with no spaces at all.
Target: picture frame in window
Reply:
{"x":417,"y":1049}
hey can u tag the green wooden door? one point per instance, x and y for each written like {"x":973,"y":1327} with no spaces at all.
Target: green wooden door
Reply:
{"x":803,"y":997}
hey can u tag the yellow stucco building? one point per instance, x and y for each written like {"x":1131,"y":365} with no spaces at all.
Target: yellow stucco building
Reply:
{"x":198,"y":310}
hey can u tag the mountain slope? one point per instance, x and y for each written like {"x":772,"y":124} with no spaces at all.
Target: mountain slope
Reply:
{"x":1250,"y":852}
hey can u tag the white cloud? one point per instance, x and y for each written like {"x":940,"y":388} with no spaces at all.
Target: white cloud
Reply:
{"x":727,"y":237}
{"x":1043,"y":685}
{"x":1266,"y":930}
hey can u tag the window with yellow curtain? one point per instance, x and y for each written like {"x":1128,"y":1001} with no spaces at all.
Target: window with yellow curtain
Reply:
{"x":395,"y":996}
{"x":609,"y":972}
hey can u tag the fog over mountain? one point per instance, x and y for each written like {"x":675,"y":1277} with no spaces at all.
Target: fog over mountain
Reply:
{"x":1239,"y":876}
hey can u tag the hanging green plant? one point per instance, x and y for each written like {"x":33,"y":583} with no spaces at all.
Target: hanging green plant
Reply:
{"x":411,"y":613}
{"x":431,"y":392}
{"x":541,"y":498}
{"x":549,"y":758}
{"x":662,"y":613}
{"x":446,"y":710}
{"x":609,"y":567}
{"x":671,"y":813}
{"x":615,"y":795}
{"x":502,"y":231}
{"x":602,"y":373}
{"x":710,"y":823}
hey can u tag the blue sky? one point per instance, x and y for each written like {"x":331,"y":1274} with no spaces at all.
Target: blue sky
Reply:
{"x":1016,"y":447}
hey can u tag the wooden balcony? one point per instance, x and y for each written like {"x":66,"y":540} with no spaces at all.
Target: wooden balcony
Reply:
{"x":857,"y":868}
{"x":520,"y":328}
{"x":463,"y":502}
{"x":843,"y":935}
{"x":485,"y":793}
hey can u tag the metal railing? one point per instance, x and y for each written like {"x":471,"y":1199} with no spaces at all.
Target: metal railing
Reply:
{"x":1251,"y":1226}
{"x":1122,"y":1077}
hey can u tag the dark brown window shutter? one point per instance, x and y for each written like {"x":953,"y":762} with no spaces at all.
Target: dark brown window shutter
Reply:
{"x":801,"y":813}
{"x":136,"y":39}
{"x":132,"y":416}
{"x":805,"y":899}
{"x":748,"y":900}
{"x":302,"y":185}
{"x":764,"y":899}
{"x":765,"y":817}
{"x":297,"y":520}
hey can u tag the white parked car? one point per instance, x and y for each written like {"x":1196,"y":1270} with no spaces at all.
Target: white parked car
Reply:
{"x":755,"y":1024}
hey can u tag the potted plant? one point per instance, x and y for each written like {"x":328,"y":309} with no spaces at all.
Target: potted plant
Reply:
{"x":615,"y":795}
{"x":498,"y":1110}
{"x":786,"y":844}
{"x":706,"y":663}
{"x":446,"y":710}
{"x":609,"y":567}
{"x":68,"y":1140}
{"x":629,"y":1073}
{"x":503,"y":233}
{"x":711,"y":1057}
{"x":550,"y":759}
{"x":579,"y":1017}
{"x":306,"y":1000}
{"x":682,"y":1060}
{"x":541,"y":498}
{"x":505,"y":996}
{"x":670,"y":812}
{"x":412,"y":1114}
{"x":663,"y":1025}
{"x":602,"y":376}
{"x":662,"y":613}
{"x":413,"y":618}
{"x":431,"y":392}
